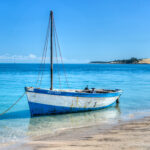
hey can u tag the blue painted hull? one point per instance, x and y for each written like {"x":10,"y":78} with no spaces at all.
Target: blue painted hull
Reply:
{"x":37,"y":109}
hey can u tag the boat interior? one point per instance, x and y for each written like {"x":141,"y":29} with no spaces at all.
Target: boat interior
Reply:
{"x":93,"y":90}
{"x":86,"y":90}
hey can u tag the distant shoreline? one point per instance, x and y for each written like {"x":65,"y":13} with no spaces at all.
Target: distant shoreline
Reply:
{"x":124,"y":61}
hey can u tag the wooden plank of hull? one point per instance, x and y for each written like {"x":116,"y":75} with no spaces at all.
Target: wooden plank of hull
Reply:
{"x":42,"y":104}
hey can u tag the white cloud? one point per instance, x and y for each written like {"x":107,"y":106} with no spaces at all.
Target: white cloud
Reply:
{"x":32,"y":56}
{"x":19,"y":58}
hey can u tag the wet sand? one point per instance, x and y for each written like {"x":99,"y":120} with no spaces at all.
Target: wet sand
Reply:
{"x":134,"y":135}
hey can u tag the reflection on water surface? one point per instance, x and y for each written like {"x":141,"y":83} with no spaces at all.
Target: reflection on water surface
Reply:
{"x":50,"y":124}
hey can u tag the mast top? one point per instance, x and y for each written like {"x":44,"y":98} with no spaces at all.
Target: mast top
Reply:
{"x":51,"y":12}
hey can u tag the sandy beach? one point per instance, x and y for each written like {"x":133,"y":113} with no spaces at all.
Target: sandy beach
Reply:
{"x":134,"y":135}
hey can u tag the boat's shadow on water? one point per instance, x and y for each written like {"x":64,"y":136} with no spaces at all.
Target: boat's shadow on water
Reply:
{"x":22,"y":114}
{"x":49,"y":124}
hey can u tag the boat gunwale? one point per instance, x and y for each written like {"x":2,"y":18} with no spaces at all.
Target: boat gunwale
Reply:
{"x":72,"y":94}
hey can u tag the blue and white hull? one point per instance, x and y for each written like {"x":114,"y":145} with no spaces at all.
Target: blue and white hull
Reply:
{"x":44,"y":102}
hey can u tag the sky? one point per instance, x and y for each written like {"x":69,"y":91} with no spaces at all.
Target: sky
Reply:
{"x":88,"y":30}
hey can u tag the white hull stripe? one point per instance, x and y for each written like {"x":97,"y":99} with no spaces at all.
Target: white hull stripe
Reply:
{"x":79,"y":102}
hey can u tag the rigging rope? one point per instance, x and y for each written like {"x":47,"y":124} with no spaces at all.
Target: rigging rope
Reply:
{"x":61,"y":56}
{"x":57,"y":61}
{"x":13,"y":104}
{"x":42,"y":65}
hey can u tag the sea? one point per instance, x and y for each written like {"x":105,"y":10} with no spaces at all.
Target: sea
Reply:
{"x":17,"y":125}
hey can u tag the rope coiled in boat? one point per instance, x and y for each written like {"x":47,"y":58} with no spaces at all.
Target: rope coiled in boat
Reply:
{"x":13,"y":104}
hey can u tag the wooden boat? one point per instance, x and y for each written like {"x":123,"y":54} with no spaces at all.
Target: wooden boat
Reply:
{"x":56,"y":101}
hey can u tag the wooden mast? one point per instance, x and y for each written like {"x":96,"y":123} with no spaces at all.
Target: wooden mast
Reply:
{"x":51,"y":49}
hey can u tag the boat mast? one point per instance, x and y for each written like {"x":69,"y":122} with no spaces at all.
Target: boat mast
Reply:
{"x":51,"y":50}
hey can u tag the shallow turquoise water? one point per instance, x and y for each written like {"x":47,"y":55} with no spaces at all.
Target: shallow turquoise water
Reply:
{"x":134,"y":80}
